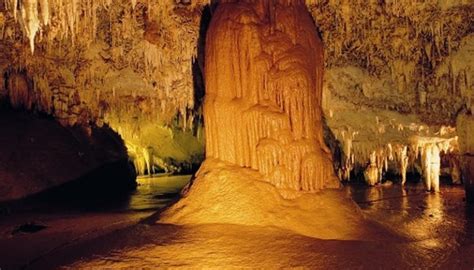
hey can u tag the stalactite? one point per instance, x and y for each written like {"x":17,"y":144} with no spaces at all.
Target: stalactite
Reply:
{"x":30,"y":20}
{"x":402,"y":158}
{"x":44,"y":6}
{"x":14,"y":8}
{"x":391,"y":44}
{"x":348,"y":162}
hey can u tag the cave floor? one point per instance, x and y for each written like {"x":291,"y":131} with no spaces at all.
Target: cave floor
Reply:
{"x":36,"y":228}
{"x":439,"y":230}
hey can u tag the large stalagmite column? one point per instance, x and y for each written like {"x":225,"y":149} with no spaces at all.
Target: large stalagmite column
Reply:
{"x":264,"y":144}
{"x":264,"y":76}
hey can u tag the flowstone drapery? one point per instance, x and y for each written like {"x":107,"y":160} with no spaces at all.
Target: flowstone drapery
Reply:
{"x":264,"y":74}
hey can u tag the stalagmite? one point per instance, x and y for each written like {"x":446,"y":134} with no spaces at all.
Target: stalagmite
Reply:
{"x":431,"y":148}
{"x":426,"y":162}
{"x":263,"y":94}
{"x":403,"y":161}
{"x":435,"y":168}
{"x":265,"y":155}
{"x":371,"y":173}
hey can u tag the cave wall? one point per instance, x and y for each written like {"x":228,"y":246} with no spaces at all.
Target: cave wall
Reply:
{"x":397,"y":75}
{"x":129,"y":64}
{"x":37,"y":154}
{"x":409,"y":46}
{"x":126,"y":64}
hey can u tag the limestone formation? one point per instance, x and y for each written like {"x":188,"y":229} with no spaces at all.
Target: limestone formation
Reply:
{"x":121,"y":63}
{"x":265,"y":150}
{"x":371,"y":173}
{"x":264,"y":75}
{"x":129,"y":63}
{"x":393,"y":69}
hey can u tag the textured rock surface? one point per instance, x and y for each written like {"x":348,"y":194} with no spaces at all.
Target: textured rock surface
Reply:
{"x":125,"y":63}
{"x":411,"y":47}
{"x":224,"y":193}
{"x":389,"y":64}
{"x":129,"y":63}
{"x":265,"y":153}
{"x":394,"y":69}
{"x":264,"y":75}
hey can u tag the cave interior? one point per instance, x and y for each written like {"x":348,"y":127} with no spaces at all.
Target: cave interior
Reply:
{"x":236,"y":134}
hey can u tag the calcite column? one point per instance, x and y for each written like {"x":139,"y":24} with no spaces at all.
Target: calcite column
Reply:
{"x":264,"y":76}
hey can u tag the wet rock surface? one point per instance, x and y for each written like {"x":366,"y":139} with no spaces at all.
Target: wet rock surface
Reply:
{"x":39,"y":228}
{"x":438,"y":227}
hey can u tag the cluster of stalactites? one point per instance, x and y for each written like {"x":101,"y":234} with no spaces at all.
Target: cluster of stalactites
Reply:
{"x":53,"y":18}
{"x":70,"y":18}
{"x":144,"y":160}
{"x":404,"y":39}
{"x":425,"y":151}
{"x":94,"y":48}
{"x":376,"y":159}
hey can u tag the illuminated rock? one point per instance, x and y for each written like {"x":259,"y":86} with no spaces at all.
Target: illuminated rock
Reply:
{"x":371,"y":173}
{"x":348,"y":162}
{"x":130,"y":63}
{"x":431,"y":148}
{"x":224,"y":193}
{"x":434,"y":168}
{"x":264,"y":73}
{"x":403,"y":163}
{"x":30,"y":19}
{"x":265,"y":153}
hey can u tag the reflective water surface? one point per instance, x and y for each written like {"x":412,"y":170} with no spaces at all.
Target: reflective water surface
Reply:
{"x":439,"y":229}
{"x":69,"y":219}
{"x":156,"y":192}
{"x":437,"y":232}
{"x":440,"y":225}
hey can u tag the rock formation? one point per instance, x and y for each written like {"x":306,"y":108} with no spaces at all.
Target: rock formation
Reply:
{"x":265,"y":149}
{"x":394,"y":69}
{"x":264,"y":75}
{"x":127,"y":64}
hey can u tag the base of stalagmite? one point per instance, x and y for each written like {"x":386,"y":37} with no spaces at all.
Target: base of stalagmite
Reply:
{"x":223,"y":193}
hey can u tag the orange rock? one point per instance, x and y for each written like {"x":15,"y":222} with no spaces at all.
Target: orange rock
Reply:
{"x":264,"y":74}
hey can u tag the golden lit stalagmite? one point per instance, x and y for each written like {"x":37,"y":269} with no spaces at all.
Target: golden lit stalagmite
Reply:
{"x":265,"y":153}
{"x":264,"y":69}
